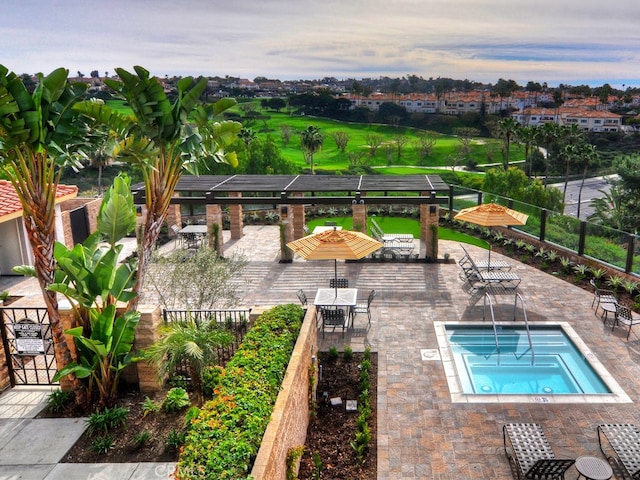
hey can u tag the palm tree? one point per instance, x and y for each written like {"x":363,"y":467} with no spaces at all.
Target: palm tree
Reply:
{"x":195,"y":343}
{"x":590,"y":156}
{"x":573,"y":138}
{"x":527,"y":135}
{"x":609,"y":210}
{"x":507,"y":128}
{"x":160,"y":139}
{"x":311,"y":143}
{"x":39,"y":134}
{"x":547,"y":135}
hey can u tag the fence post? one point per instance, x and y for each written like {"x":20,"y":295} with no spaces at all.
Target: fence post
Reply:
{"x":581,"y":240}
{"x":450,"y":202}
{"x":630,"y":251}
{"x":543,"y":224}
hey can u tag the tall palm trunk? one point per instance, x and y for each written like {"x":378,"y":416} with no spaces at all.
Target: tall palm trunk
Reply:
{"x":36,"y":185}
{"x":160,"y":184}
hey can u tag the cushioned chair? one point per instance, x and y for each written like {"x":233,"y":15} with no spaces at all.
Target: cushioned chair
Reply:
{"x":530,"y":454}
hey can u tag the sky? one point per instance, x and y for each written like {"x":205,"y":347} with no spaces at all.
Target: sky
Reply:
{"x":572,"y":42}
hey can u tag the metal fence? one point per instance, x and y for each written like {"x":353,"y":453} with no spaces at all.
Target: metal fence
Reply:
{"x":614,"y":248}
{"x":236,"y":321}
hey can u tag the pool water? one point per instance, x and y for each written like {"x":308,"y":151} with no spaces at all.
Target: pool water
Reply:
{"x":555,"y":367}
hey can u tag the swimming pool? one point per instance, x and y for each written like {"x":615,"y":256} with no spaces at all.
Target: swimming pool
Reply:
{"x":551,"y":366}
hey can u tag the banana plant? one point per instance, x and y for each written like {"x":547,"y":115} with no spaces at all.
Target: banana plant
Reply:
{"x":165,"y":139}
{"x":90,"y":276}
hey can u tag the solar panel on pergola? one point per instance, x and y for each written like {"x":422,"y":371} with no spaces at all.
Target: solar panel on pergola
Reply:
{"x":320,"y":189}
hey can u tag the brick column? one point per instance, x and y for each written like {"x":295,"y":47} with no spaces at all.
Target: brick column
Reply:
{"x":174,"y":217}
{"x":429,"y":215}
{"x":5,"y":379}
{"x":235,"y":217}
{"x":298,"y":218}
{"x":359,"y":217}
{"x":214,"y":217}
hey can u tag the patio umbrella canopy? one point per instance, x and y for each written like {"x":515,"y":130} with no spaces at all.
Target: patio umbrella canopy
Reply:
{"x":491,"y":215}
{"x":335,"y":245}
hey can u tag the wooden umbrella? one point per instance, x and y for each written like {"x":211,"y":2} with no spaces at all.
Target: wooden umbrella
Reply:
{"x":491,"y":215}
{"x":335,"y":245}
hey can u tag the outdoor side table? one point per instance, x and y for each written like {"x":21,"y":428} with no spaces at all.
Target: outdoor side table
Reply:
{"x":607,"y":308}
{"x":593,"y":468}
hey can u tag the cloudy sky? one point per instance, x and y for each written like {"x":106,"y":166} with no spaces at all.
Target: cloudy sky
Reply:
{"x":553,"y":41}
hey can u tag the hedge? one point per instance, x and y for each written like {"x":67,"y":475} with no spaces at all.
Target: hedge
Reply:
{"x":224,"y":438}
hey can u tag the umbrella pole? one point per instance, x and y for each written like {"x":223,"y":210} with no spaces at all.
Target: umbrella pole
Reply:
{"x":335,"y":273}
{"x":489,"y":262}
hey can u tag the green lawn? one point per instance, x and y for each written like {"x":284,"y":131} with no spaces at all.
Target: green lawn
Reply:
{"x":402,"y":225}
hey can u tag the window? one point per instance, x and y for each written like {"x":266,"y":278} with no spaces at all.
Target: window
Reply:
{"x":597,"y":122}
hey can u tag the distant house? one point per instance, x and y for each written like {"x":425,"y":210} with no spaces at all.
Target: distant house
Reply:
{"x":75,"y":219}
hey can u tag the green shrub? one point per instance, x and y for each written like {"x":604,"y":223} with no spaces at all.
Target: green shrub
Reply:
{"x":141,"y":439}
{"x":107,"y":419}
{"x":101,"y":445}
{"x":348,"y":353}
{"x":176,"y":400}
{"x":223,"y":440}
{"x":333,"y":353}
{"x":149,"y":406}
{"x":175,"y":439}
{"x":58,"y":400}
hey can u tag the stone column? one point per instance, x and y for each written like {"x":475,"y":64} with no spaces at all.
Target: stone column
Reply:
{"x":287,"y":219}
{"x":429,"y":215}
{"x":235,"y":217}
{"x":214,"y":221}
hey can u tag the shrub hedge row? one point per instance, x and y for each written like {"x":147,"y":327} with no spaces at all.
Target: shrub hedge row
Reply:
{"x":224,"y":438}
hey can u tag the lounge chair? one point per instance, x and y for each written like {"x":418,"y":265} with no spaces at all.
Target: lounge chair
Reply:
{"x":624,"y":440}
{"x":530,"y":454}
{"x":483,"y":278}
{"x":379,"y":234}
{"x":486,"y":264}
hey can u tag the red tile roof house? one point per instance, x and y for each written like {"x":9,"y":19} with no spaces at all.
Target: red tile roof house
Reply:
{"x":75,"y":219}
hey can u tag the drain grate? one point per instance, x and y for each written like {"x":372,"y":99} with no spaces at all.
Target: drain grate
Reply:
{"x":429,"y":354}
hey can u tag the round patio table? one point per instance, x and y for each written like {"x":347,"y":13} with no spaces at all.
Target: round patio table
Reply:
{"x":607,"y":308}
{"x":593,"y":468}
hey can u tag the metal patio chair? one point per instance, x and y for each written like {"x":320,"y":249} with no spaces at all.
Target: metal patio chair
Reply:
{"x":530,"y":454}
{"x":339,"y":283}
{"x":624,"y":440}
{"x":364,"y":307}
{"x":333,"y":317}
{"x":302,"y":297}
{"x":602,"y":296}
{"x":624,"y":316}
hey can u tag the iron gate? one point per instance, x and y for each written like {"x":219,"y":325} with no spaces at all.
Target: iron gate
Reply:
{"x":28,"y":345}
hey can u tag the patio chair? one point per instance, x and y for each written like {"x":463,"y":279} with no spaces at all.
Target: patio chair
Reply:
{"x":176,"y":230}
{"x":333,"y":317}
{"x":624,"y":440}
{"x":339,"y":283}
{"x":624,"y":316}
{"x":602,"y":296}
{"x":486,"y":264}
{"x":302,"y":297}
{"x":389,"y":237}
{"x":329,"y":223}
{"x":530,"y":454}
{"x":364,"y":307}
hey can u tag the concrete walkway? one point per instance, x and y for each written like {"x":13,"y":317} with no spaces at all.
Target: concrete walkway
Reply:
{"x":423,"y":431}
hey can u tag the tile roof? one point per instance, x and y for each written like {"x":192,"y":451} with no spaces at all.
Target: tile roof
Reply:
{"x":10,"y":206}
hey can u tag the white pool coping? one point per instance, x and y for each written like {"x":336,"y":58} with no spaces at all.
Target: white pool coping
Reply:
{"x":617,"y":395}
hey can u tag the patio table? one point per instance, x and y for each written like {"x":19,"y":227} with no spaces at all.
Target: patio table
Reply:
{"x":193,"y":235}
{"x":337,"y":297}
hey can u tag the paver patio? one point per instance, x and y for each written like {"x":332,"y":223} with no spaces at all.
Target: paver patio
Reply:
{"x":422,"y":434}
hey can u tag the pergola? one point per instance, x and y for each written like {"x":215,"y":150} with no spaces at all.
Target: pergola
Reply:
{"x":292,"y":192}
{"x":300,"y":189}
